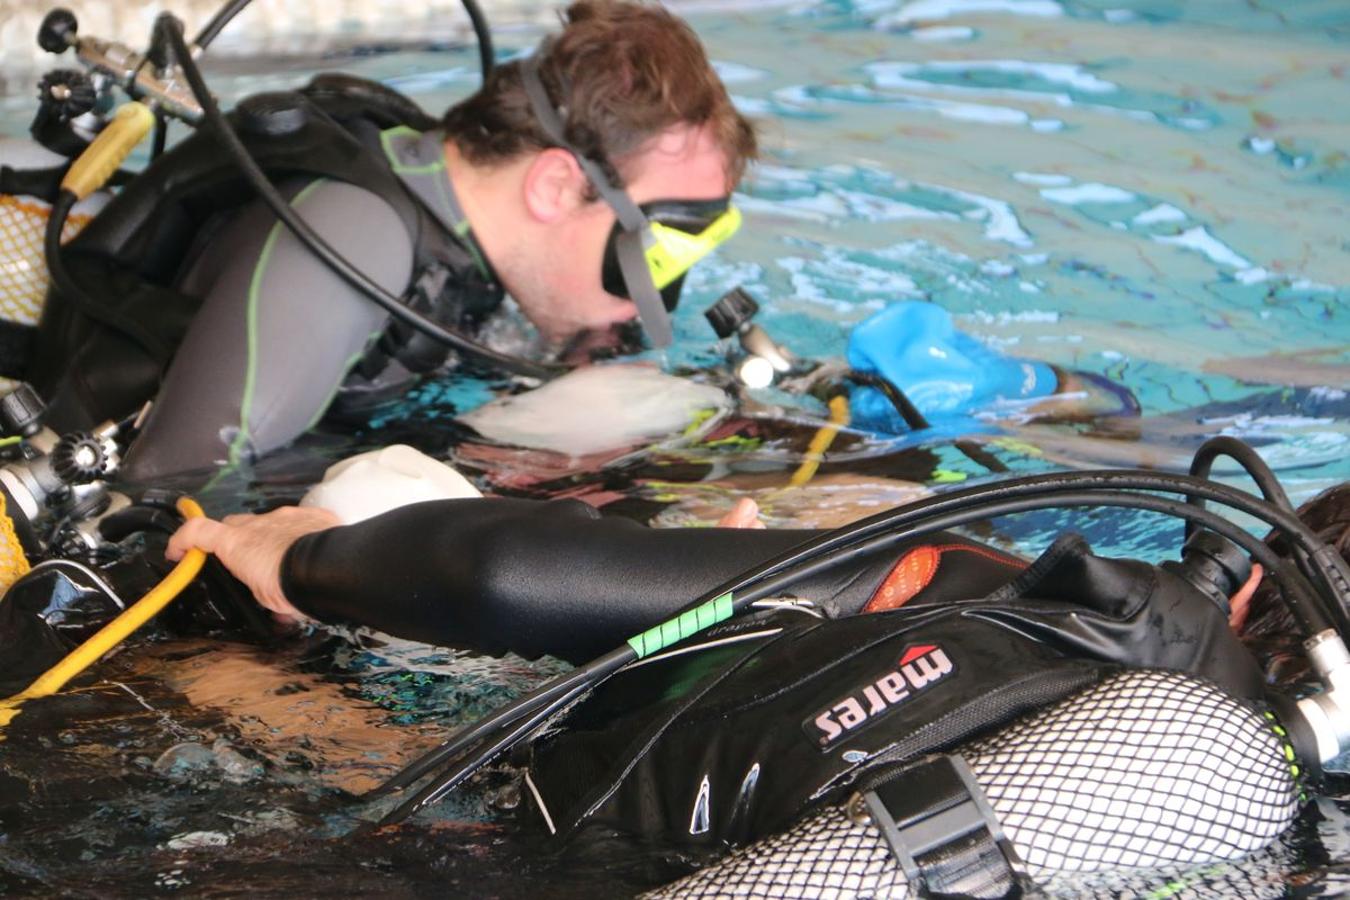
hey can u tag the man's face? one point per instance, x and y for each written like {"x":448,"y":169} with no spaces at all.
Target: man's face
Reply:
{"x":564,"y":295}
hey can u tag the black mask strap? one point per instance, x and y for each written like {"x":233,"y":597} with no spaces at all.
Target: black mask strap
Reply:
{"x":629,"y":245}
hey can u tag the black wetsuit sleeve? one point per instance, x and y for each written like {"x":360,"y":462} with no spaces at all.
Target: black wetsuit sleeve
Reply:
{"x":534,"y":577}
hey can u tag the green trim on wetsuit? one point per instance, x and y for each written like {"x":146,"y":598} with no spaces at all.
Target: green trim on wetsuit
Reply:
{"x":447,"y":208}
{"x":241,"y":438}
{"x":395,"y":161}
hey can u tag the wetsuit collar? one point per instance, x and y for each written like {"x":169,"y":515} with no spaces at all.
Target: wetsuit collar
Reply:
{"x":418,"y":158}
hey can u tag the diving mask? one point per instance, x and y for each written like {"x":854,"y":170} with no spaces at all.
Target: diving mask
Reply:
{"x":652,"y":246}
{"x":682,"y":232}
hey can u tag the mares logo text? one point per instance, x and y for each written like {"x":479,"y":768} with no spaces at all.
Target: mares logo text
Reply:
{"x":919,"y":669}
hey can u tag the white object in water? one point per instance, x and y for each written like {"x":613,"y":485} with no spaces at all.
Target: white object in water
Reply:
{"x":597,"y":408}
{"x":376,"y":482}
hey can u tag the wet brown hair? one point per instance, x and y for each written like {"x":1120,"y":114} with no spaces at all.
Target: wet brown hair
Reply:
{"x":620,"y":73}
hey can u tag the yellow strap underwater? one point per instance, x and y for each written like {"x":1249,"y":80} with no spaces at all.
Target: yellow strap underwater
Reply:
{"x":117,"y":630}
{"x":815,"y":453}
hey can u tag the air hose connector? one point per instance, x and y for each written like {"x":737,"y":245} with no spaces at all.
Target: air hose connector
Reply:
{"x":1328,"y":712}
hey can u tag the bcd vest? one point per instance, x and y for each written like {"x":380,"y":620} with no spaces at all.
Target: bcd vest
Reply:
{"x":131,"y":256}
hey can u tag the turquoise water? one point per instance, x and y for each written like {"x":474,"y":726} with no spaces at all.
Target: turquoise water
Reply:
{"x":1154,"y":192}
{"x":1151,"y":191}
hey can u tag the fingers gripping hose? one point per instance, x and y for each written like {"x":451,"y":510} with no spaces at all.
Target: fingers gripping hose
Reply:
{"x":116,"y":631}
{"x":1148,"y":769}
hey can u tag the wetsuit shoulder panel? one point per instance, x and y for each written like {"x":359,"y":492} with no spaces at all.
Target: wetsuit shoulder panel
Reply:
{"x":277,"y":331}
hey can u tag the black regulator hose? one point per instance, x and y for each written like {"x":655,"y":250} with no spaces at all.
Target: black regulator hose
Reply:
{"x":483,"y":34}
{"x":481,"y":30}
{"x":903,"y":405}
{"x":223,"y":17}
{"x":66,"y":284}
{"x":1056,"y":490}
{"x":1250,"y":461}
{"x":173,"y":32}
{"x":519,"y":719}
{"x":1260,"y":473}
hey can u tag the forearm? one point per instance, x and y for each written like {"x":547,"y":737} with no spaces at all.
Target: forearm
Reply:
{"x":533,"y":577}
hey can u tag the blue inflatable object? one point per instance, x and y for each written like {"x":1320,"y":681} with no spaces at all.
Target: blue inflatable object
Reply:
{"x":945,"y":373}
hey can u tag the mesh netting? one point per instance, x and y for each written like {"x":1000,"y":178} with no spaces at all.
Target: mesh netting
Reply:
{"x":13,"y":564}
{"x":23,"y":273}
{"x":1147,"y":769}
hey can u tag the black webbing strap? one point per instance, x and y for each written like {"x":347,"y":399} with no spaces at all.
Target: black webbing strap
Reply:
{"x":631,"y":244}
{"x":45,"y":184}
{"x":943,"y":832}
{"x":16,"y":340}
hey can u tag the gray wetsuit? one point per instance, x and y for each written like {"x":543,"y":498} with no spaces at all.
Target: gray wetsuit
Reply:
{"x":278,"y":332}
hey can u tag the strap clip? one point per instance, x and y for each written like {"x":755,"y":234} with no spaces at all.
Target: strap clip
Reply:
{"x":942,"y":831}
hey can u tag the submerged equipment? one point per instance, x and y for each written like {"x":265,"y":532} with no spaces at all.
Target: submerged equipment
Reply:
{"x":372,"y":483}
{"x":915,"y":346}
{"x":116,"y":631}
{"x":1146,"y":769}
{"x":1319,"y":603}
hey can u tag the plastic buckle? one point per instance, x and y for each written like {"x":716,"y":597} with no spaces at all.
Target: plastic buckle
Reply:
{"x":943,"y":832}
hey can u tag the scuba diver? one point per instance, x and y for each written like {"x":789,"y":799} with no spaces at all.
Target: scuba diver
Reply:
{"x":804,"y":703}
{"x":583,"y":180}
{"x":882,"y":668}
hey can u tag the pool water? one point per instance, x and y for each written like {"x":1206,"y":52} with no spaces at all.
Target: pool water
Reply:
{"x":1150,"y":191}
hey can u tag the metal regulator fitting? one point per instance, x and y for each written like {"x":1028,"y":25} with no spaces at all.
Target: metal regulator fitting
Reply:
{"x":57,"y":477}
{"x":762,"y":359}
{"x":145,"y":76}
{"x":1328,"y":711}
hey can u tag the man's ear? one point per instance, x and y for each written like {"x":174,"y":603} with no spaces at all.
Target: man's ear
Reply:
{"x":554,"y":185}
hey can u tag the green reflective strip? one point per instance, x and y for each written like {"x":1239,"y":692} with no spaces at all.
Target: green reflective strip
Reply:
{"x":255,"y":284}
{"x":677,"y":629}
{"x":386,"y":137}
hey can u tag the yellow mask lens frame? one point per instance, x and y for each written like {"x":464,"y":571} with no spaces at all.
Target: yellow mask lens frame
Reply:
{"x":673,"y":252}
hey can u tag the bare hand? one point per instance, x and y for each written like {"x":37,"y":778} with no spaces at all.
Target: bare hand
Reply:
{"x":745,"y":514}
{"x":251,"y":547}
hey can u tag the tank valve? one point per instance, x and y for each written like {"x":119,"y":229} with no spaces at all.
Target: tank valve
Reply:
{"x":1328,"y":712}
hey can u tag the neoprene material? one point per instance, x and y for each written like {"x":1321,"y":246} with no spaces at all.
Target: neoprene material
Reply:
{"x":136,"y":257}
{"x":817,"y":703}
{"x":546,"y":577}
{"x":232,"y":393}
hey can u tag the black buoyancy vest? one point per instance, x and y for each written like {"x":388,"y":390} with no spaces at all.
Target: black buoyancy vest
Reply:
{"x":131,"y":255}
{"x":780,"y":713}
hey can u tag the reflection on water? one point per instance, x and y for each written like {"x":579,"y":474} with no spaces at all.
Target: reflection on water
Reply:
{"x":1148,"y":190}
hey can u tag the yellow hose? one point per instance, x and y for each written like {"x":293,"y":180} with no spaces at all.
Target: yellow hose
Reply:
{"x":129,"y":126}
{"x":815,"y":452}
{"x":116,"y":631}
